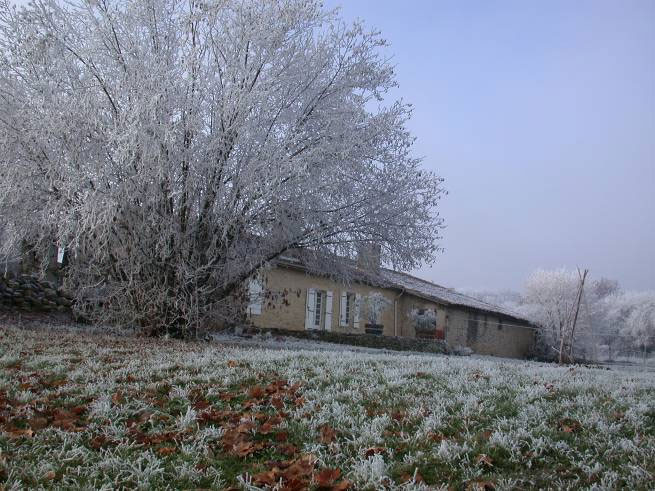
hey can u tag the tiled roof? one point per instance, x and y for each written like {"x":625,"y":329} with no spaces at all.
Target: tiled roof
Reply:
{"x":411,"y":284}
{"x":440,"y":293}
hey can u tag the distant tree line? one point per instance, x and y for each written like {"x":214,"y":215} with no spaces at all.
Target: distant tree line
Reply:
{"x":611,"y":322}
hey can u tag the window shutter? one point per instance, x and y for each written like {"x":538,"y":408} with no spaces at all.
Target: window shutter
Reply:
{"x":343,"y":306}
{"x":255,"y":297}
{"x":309,"y":311}
{"x":358,"y":300}
{"x":328,"y":311}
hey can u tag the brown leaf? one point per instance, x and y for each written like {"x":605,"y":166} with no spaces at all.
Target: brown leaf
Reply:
{"x":243,"y":449}
{"x":267,"y":478}
{"x":99,"y":442}
{"x":327,"y":477}
{"x":201,"y":404}
{"x":257,"y":392}
{"x":569,"y":425}
{"x":37,"y":423}
{"x":342,"y":485}
{"x":484,"y":459}
{"x":246,"y":427}
{"x":417,"y":477}
{"x":301,"y":468}
{"x":281,"y":436}
{"x":436,"y":437}
{"x":328,"y":435}
{"x":266,"y":428}
{"x":50,"y":475}
{"x":163,"y":451}
{"x":277,"y":403}
{"x":117,"y":398}
{"x":232,"y":363}
{"x":287,"y":449}
{"x":485,"y":435}
{"x":13,"y":434}
{"x":480,"y":486}
{"x":79,"y":410}
{"x":374,"y":450}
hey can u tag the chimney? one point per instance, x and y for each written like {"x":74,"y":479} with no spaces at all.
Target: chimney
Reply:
{"x":368,"y":257}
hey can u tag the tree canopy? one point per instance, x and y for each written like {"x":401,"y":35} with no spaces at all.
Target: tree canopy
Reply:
{"x":176,"y":147}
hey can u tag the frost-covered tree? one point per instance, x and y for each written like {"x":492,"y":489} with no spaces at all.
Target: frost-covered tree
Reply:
{"x":552,"y":299}
{"x":633,"y":314}
{"x":174,"y":147}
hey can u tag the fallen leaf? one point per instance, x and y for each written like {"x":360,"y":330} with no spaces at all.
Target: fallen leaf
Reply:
{"x":417,"y":478}
{"x":484,"y":459}
{"x":328,"y":435}
{"x":163,"y":451}
{"x":300,"y":401}
{"x":257,"y":392}
{"x":287,"y":449}
{"x":569,"y":425}
{"x":50,"y":475}
{"x":21,"y":433}
{"x":37,"y":423}
{"x":267,"y":478}
{"x":327,"y":477}
{"x":374,"y":451}
{"x":480,"y":486}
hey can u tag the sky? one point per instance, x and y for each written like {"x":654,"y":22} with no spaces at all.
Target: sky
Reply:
{"x":540,"y":116}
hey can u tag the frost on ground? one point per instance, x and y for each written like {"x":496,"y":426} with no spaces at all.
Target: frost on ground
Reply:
{"x":106,"y":411}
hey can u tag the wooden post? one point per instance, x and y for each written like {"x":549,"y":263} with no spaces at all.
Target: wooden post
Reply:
{"x":583,"y":277}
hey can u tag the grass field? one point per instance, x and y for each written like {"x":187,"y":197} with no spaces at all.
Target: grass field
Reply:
{"x":101,"y":411}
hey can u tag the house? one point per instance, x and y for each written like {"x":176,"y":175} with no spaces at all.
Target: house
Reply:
{"x":382,"y":301}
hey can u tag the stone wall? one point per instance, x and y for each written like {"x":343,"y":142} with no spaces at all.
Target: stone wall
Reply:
{"x":27,"y":293}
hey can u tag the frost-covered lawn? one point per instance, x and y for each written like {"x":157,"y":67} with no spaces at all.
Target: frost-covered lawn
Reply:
{"x":91,"y":410}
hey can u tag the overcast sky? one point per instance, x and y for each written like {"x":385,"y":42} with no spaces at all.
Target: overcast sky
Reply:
{"x":541,"y":118}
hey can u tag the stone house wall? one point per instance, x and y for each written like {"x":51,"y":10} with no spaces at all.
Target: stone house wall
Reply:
{"x":285,"y":307}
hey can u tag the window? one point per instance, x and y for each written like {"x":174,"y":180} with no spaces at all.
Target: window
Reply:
{"x":472,"y":328}
{"x":318,"y":313}
{"x":255,"y":296}
{"x":318,"y":308}
{"x":346,"y":308}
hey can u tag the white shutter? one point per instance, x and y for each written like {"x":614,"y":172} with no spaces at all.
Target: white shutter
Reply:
{"x":255,"y":297}
{"x":328,"y":311}
{"x":343,"y":306}
{"x":358,"y":300}
{"x":60,"y":254}
{"x":309,"y":310}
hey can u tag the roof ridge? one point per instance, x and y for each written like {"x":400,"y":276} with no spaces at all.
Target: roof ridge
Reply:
{"x":417,"y":278}
{"x":494,"y":307}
